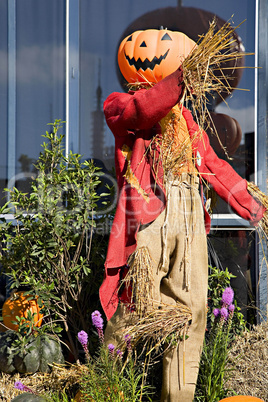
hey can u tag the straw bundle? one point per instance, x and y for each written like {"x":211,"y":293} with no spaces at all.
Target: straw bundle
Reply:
{"x":263,"y":199}
{"x":152,"y":322}
{"x":140,"y":278}
{"x":163,"y":324}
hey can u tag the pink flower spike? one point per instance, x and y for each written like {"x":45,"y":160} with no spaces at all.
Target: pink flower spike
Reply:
{"x":224,"y":313}
{"x":216,"y":312}
{"x":111,"y":347}
{"x":97,"y":320}
{"x":119,"y":353}
{"x":231,"y":308}
{"x":227,"y":296}
{"x":82,"y":337}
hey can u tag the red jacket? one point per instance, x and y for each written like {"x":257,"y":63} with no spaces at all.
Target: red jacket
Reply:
{"x":133,"y":118}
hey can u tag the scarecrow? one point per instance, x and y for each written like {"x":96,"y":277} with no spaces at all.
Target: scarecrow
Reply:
{"x":156,"y":270}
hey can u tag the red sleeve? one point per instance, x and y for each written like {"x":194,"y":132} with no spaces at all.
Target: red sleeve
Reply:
{"x":144,"y":108}
{"x":220,"y":174}
{"x":230,"y":186}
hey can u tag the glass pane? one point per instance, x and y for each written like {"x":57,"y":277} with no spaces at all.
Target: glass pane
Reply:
{"x":40,"y":79}
{"x":240,"y":105}
{"x":102,"y":24}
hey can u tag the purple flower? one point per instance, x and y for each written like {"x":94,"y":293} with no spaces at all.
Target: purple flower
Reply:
{"x":227,"y":296}
{"x":216,"y":312}
{"x":111,"y":350}
{"x":97,"y":320}
{"x":128,"y":341}
{"x":82,"y":337}
{"x":18,"y":385}
{"x":111,"y":347}
{"x":119,"y":353}
{"x":224,"y":313}
{"x":231,"y":308}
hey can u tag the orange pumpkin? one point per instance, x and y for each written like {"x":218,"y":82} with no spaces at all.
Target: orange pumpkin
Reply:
{"x":153,"y":54}
{"x":242,"y":398}
{"x":19,"y":305}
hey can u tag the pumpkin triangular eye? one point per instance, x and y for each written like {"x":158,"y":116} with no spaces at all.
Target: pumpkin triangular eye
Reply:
{"x":129,"y":39}
{"x":143,"y":44}
{"x":166,"y":37}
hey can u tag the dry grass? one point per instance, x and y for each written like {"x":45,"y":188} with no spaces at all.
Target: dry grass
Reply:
{"x":249,"y":357}
{"x":59,"y":379}
{"x":162,"y":324}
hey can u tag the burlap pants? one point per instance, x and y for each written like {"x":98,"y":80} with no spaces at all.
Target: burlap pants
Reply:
{"x":177,"y":244}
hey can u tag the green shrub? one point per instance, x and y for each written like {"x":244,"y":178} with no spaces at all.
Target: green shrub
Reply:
{"x":50,"y":247}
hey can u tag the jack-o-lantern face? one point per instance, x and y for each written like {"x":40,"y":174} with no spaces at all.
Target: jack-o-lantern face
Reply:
{"x":152,"y":54}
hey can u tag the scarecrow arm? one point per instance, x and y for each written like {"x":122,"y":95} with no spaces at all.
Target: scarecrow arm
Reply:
{"x":230,"y":186}
{"x":144,"y":108}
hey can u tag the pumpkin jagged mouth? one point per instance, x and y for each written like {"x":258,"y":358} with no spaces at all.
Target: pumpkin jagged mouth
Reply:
{"x":143,"y":65}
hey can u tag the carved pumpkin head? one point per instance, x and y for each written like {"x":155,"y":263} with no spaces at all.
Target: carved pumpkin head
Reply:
{"x":153,"y":54}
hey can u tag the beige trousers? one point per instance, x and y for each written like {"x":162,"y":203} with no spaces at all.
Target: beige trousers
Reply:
{"x":176,"y":241}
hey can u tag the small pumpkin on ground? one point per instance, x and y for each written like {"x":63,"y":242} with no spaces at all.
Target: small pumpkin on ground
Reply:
{"x":38,"y":355}
{"x":18,"y":305}
{"x":242,"y":398}
{"x":27,"y":397}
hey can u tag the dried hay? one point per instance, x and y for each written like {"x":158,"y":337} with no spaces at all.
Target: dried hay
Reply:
{"x":152,"y":322}
{"x":249,"y":359}
{"x":162,"y":325}
{"x":140,"y":279}
{"x":61,"y":378}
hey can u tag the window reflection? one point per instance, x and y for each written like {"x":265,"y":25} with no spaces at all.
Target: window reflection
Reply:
{"x":39,"y":83}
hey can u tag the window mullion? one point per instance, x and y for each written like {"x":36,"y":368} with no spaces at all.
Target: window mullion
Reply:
{"x":11,"y":114}
{"x":72,"y":76}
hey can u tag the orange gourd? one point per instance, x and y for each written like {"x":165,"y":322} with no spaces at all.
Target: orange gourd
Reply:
{"x":18,"y":305}
{"x":242,"y":398}
{"x":153,"y":54}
